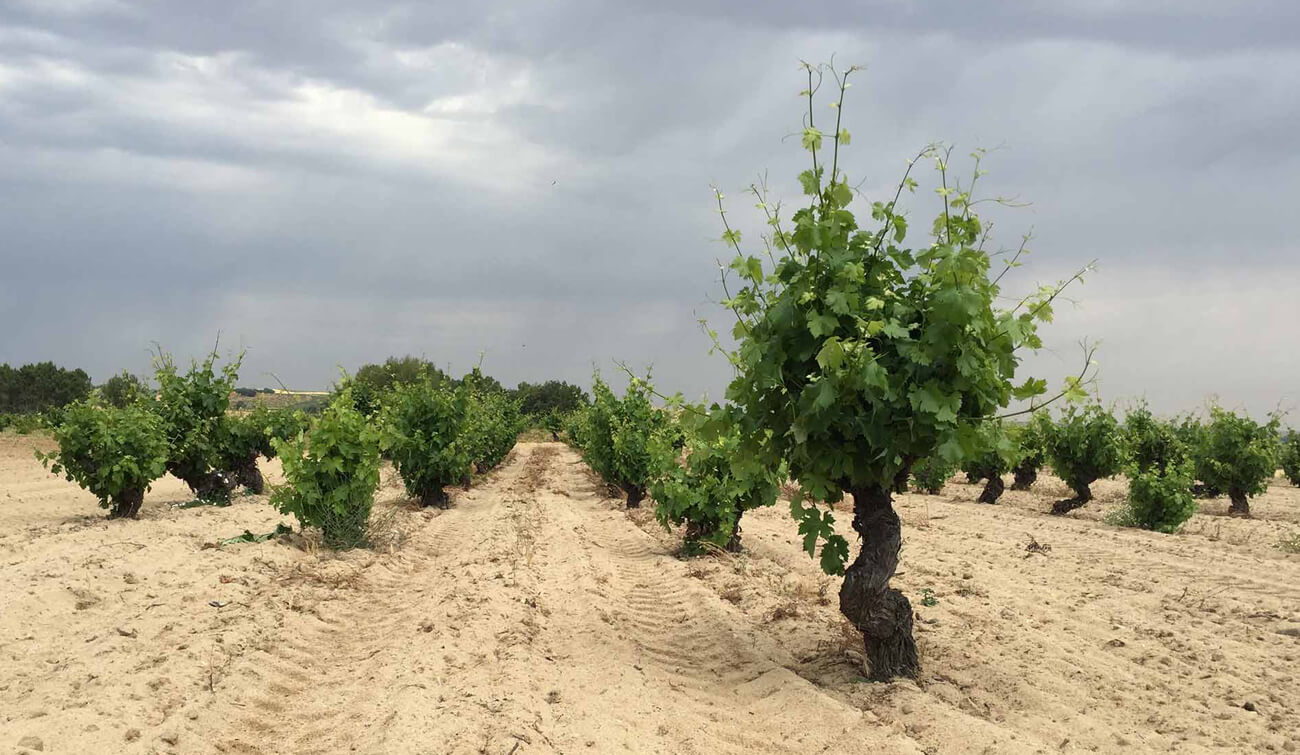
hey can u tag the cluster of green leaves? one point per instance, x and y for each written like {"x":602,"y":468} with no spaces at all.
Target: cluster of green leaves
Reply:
{"x":859,"y":354}
{"x":1151,"y":443}
{"x":993,"y":456}
{"x":1030,"y":439}
{"x":1160,"y":474}
{"x":39,"y":387}
{"x":616,"y":436}
{"x":23,"y":424}
{"x":493,"y":423}
{"x":1085,"y":445}
{"x":372,"y":381}
{"x":575,"y":425}
{"x":930,"y":474}
{"x":123,"y":390}
{"x":1236,"y":455}
{"x":553,"y":422}
{"x":1159,"y":499}
{"x":331,"y":472}
{"x":712,"y":485}
{"x":113,"y":453}
{"x":1289,"y":457}
{"x":193,"y":408}
{"x":552,"y":396}
{"x":423,"y":422}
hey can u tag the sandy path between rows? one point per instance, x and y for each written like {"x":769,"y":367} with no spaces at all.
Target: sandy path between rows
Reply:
{"x":531,"y":617}
{"x":537,"y":615}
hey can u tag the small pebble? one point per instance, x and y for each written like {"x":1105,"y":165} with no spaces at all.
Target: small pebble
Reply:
{"x":32,"y":743}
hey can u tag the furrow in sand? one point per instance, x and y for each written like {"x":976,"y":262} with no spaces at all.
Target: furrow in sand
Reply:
{"x":321,"y":707}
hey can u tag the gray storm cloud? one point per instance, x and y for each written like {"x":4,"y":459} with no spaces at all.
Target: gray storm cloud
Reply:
{"x":332,"y":183}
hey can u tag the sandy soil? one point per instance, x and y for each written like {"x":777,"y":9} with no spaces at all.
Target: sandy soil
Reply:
{"x":537,"y":615}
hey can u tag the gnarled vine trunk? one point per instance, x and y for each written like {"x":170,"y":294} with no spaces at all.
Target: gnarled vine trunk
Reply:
{"x":213,"y":485}
{"x":248,"y":475}
{"x":1025,"y":477}
{"x":992,"y":490}
{"x":900,"y":480}
{"x":127,"y":504}
{"x":733,"y":543}
{"x":635,"y":494}
{"x":1240,"y":505}
{"x":1082,"y":495}
{"x":435,"y":497}
{"x":881,"y":613}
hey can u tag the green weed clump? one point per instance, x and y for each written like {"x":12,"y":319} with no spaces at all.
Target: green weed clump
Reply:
{"x":331,"y":473}
{"x":930,"y":474}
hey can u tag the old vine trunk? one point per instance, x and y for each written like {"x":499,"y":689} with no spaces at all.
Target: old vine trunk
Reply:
{"x":435,"y":497}
{"x":881,"y":613}
{"x":248,"y":475}
{"x":126,"y":505}
{"x":1240,"y":505}
{"x":992,"y":490}
{"x":1025,"y":477}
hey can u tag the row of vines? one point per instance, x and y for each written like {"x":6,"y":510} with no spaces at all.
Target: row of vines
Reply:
{"x":436,"y":433}
{"x":861,"y":362}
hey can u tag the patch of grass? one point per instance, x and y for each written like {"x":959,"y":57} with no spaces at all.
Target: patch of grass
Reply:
{"x":1290,"y":543}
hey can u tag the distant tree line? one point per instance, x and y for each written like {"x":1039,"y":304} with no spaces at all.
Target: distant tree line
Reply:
{"x":40,"y":387}
{"x":536,"y":400}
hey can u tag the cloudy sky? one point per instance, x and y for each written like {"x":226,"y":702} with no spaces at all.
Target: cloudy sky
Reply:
{"x":328,"y":183}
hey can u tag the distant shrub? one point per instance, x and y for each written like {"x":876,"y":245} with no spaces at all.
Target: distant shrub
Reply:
{"x":1237,"y":455}
{"x":1160,"y":474}
{"x":616,"y":436}
{"x":992,"y":458}
{"x":712,"y":487}
{"x":1159,"y":498}
{"x":26,"y":424}
{"x":1190,"y":432}
{"x":929,"y":475}
{"x":1150,"y":443}
{"x":553,"y":423}
{"x":245,"y":438}
{"x":1290,"y":457}
{"x":331,"y":473}
{"x":1085,"y":446}
{"x":538,"y":399}
{"x":123,"y":390}
{"x":1030,"y":441}
{"x":422,"y":433}
{"x":113,"y":453}
{"x":371,"y":382}
{"x":575,"y":427}
{"x":5,"y":421}
{"x":492,"y":424}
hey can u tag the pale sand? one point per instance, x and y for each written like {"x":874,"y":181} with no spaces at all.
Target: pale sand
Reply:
{"x":538,"y":616}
